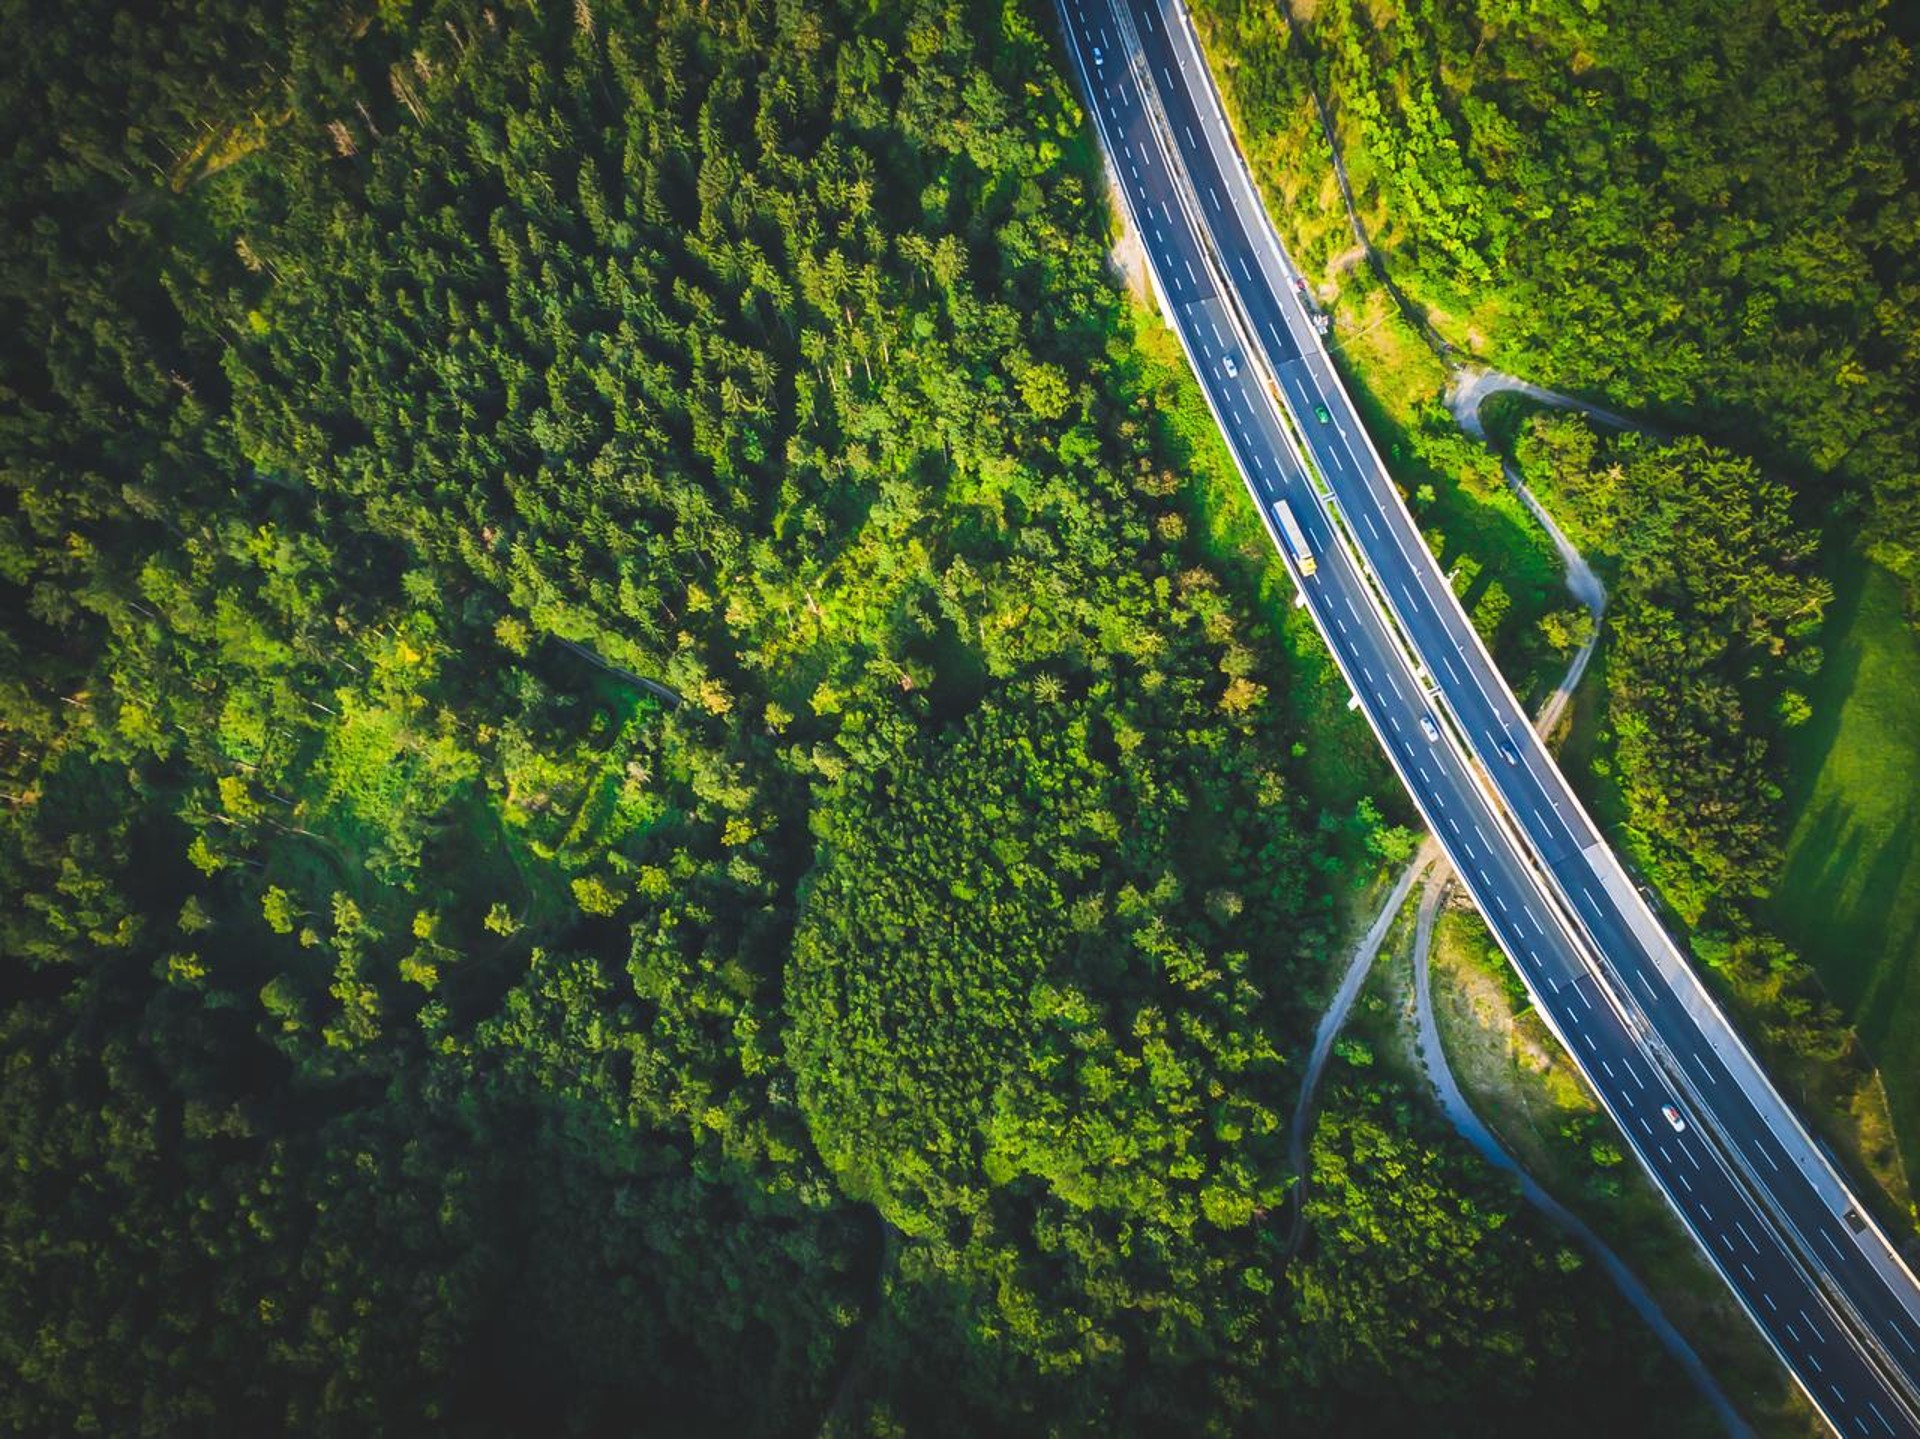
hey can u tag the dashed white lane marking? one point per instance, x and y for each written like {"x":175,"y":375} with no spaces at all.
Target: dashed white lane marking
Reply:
{"x":1679,"y":1175}
{"x":1537,"y":928}
{"x":1792,"y":1333}
{"x":1189,"y":264}
{"x":1452,"y":673}
{"x":1752,"y":1278}
{"x":1881,"y":1417}
{"x":1839,"y":1253}
{"x":1746,"y":1236}
{"x":1367,"y":515}
{"x":1453,"y":824}
{"x":1647,"y":985}
{"x":1814,"y":1328}
{"x":1762,"y":1147}
{"x":1770,"y":1304}
{"x":1425,"y":778}
{"x":1583,"y":998}
{"x":1214,"y":196}
{"x":1243,"y":267}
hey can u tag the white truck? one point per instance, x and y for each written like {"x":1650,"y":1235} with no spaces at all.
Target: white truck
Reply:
{"x":1295,"y":537}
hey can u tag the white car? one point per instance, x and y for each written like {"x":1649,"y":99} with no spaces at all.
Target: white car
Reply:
{"x":1430,"y":729}
{"x":1233,"y":370}
{"x":1672,"y":1116}
{"x":1096,"y":57}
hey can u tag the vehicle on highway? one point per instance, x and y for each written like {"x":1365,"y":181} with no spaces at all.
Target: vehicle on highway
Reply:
{"x":1299,"y":285}
{"x":1227,"y":364}
{"x":1430,"y":729}
{"x":1295,"y":537}
{"x":1672,"y":1116}
{"x":1508,"y":752}
{"x":1097,"y":58}
{"x":1320,"y":414}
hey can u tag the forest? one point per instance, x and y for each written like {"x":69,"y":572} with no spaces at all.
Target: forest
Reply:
{"x":630,"y":806}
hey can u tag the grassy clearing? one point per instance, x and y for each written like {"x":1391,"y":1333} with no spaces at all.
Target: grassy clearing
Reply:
{"x":1849,"y":896}
{"x":1522,"y":1083}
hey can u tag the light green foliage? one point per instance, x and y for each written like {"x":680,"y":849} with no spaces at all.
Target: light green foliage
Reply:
{"x":1699,"y":211}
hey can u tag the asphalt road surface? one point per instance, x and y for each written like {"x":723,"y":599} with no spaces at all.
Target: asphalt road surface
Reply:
{"x":1763,"y":1203}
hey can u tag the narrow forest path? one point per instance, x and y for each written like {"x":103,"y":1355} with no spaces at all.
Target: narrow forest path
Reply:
{"x":1460,"y":1114}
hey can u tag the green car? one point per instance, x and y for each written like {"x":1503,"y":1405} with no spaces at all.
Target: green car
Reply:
{"x":1320,"y":414}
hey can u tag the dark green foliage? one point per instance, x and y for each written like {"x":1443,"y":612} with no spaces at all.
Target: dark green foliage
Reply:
{"x":1715,"y":609}
{"x":414,"y":1026}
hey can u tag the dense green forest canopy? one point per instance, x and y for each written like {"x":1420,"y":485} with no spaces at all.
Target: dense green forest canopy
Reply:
{"x":878,"y":1018}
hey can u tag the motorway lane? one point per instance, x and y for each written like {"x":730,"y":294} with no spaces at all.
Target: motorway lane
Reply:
{"x":1536,"y":793}
{"x":1448,"y":791}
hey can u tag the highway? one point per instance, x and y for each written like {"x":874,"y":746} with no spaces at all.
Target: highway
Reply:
{"x":1764,"y":1203}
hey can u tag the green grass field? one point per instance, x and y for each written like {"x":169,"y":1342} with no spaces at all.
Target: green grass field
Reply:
{"x":1849,"y":897}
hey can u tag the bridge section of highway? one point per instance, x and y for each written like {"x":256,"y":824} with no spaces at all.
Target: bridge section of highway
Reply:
{"x":1761,"y":1198}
